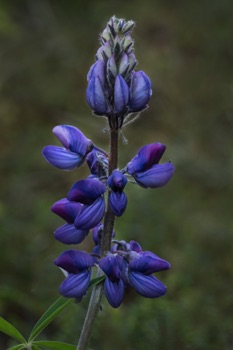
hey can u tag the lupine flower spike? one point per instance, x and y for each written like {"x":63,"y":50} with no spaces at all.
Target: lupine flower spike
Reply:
{"x":115,"y":90}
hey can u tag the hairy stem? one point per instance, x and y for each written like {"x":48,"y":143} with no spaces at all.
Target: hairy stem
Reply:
{"x":105,"y":245}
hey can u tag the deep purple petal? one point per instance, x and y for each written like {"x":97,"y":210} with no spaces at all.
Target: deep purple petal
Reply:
{"x":73,"y":139}
{"x":86,"y":191}
{"x":147,"y":286}
{"x":112,"y":266}
{"x":68,"y":234}
{"x":118,"y":202}
{"x":75,"y":286}
{"x":74,"y":261}
{"x":90,"y":215}
{"x":117,"y":181}
{"x":157,"y":176}
{"x":62,"y":158}
{"x":114,"y":292}
{"x":96,"y":96}
{"x":147,"y":156}
{"x":66,"y":210}
{"x":140,"y":91}
{"x":148,"y":264}
{"x":121,"y":95}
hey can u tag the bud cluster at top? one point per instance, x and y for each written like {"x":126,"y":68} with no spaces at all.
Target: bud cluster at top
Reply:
{"x":115,"y":89}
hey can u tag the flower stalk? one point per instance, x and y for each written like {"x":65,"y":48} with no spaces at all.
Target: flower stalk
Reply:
{"x":105,"y":245}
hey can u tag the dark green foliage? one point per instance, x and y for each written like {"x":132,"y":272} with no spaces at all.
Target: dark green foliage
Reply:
{"x":186,"y":48}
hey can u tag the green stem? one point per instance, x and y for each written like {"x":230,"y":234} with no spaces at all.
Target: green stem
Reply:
{"x":105,"y":245}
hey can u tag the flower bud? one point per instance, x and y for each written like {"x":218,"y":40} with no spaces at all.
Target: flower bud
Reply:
{"x":117,"y":181}
{"x":140,"y":91}
{"x":121,"y":95}
{"x":95,"y":95}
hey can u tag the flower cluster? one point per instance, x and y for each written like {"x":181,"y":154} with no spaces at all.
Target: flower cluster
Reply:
{"x":84,"y":207}
{"x":126,"y":265}
{"x":114,"y":87}
{"x":114,"y":90}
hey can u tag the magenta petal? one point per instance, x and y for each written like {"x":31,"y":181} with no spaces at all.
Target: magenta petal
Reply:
{"x":157,"y":176}
{"x":147,"y":156}
{"x":68,"y":234}
{"x":86,"y":191}
{"x":62,"y":158}
{"x":118,"y":203}
{"x":75,"y":286}
{"x":90,"y":215}
{"x":114,"y":292}
{"x":147,"y":286}
{"x":66,"y":210}
{"x":74,"y":261}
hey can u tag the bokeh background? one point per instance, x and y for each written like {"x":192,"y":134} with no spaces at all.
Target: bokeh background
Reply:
{"x":186,"y":48}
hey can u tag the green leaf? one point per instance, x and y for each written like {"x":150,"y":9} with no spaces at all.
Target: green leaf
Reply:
{"x":55,"y":345}
{"x":49,"y":315}
{"x":96,"y":280}
{"x":10,"y":330}
{"x":17,"y":347}
{"x":34,"y":347}
{"x":60,"y":304}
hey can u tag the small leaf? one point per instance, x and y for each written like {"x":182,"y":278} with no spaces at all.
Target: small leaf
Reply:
{"x":34,"y":347}
{"x":96,"y":280}
{"x":10,"y":330}
{"x":18,"y":347}
{"x":55,"y":345}
{"x":49,"y":315}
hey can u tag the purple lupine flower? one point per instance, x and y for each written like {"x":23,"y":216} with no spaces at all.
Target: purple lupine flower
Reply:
{"x":118,"y":202}
{"x":137,"y":268}
{"x":117,"y":181}
{"x":90,"y":215}
{"x":78,"y":265}
{"x":76,"y":147}
{"x":157,"y":176}
{"x":140,"y":91}
{"x":96,"y":96}
{"x":145,"y":169}
{"x":147,"y":285}
{"x":147,"y":156}
{"x":117,"y":198}
{"x":121,"y":95}
{"x":140,"y":270}
{"x":86,"y":191}
{"x":68,"y":211}
{"x":113,"y":285}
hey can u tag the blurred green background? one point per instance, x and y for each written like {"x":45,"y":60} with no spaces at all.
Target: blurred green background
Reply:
{"x":186,"y":48}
